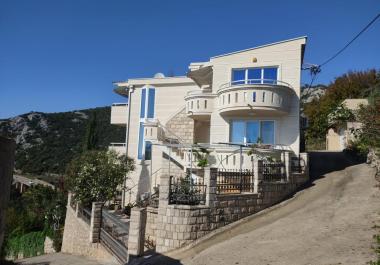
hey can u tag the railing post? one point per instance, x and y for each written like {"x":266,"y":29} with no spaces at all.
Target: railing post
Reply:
{"x":210,"y":182}
{"x":305,"y":158}
{"x":287,"y":162}
{"x":96,"y":220}
{"x":136,"y":237}
{"x":257,"y":174}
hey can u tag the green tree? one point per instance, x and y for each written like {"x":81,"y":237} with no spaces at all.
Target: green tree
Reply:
{"x":91,"y":137}
{"x":351,"y":85}
{"x":96,"y":175}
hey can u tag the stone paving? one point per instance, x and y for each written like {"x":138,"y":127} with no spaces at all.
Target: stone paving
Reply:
{"x":59,"y":259}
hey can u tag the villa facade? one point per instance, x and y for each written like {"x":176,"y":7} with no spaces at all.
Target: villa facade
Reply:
{"x":225,"y":105}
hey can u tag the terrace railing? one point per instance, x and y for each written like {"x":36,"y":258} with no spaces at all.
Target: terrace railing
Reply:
{"x":273,"y":171}
{"x":84,"y":214}
{"x":230,"y":181}
{"x":187,"y":191}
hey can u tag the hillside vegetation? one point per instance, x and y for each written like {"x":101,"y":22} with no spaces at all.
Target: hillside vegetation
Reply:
{"x":47,"y":142}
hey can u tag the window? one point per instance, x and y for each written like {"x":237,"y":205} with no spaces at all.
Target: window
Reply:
{"x":236,"y":97}
{"x":254,"y":96}
{"x":147,"y":106}
{"x":263,"y":96}
{"x":205,"y":104}
{"x":251,"y":131}
{"x":265,"y":75}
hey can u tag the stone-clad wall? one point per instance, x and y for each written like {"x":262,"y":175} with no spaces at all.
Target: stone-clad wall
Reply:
{"x":179,"y":225}
{"x":182,"y":126}
{"x":76,"y":239}
{"x":150,"y":230}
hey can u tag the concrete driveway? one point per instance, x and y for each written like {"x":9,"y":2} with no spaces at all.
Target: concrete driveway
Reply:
{"x":331,"y":222}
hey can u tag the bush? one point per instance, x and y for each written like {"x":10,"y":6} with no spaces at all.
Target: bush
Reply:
{"x":96,"y":175}
{"x":29,"y":245}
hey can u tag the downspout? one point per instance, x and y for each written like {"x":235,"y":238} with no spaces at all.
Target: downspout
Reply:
{"x":130,"y":91}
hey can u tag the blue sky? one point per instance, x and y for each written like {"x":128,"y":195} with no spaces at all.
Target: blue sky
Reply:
{"x":64,"y":55}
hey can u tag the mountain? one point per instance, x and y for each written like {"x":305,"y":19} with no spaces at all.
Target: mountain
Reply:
{"x":47,"y":142}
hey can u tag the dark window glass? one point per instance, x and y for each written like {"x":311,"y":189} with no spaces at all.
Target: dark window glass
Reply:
{"x":151,"y":102}
{"x":238,"y":77}
{"x":254,"y":76}
{"x":141,"y":141}
{"x":270,"y":75}
{"x":267,"y":132}
{"x":253,"y":131}
{"x":148,"y":150}
{"x":142,"y":103}
{"x":237,"y":131}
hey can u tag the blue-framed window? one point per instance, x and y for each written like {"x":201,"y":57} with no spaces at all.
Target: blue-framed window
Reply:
{"x":147,"y":111}
{"x":250,"y":131}
{"x":265,"y":75}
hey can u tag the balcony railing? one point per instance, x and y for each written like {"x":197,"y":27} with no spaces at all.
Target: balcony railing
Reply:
{"x":199,"y":103}
{"x":119,"y":148}
{"x":259,"y":96}
{"x":265,"y":82}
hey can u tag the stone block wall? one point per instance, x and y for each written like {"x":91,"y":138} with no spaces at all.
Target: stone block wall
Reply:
{"x":179,"y":225}
{"x":151,"y":226}
{"x":76,"y":239}
{"x":182,"y":126}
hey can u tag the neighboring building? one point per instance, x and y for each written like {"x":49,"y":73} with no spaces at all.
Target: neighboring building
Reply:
{"x":242,"y":98}
{"x":339,"y":137}
{"x":7,"y":154}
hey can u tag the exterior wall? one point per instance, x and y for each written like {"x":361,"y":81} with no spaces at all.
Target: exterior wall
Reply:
{"x":182,"y":126}
{"x":179,"y":225}
{"x":76,"y":240}
{"x":169,"y":110}
{"x":151,"y":226}
{"x":7,"y":151}
{"x":287,"y":56}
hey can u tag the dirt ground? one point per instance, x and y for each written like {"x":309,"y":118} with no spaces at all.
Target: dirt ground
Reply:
{"x":329,"y":223}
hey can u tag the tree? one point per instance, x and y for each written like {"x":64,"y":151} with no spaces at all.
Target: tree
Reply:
{"x":350,"y":85}
{"x":96,"y":175}
{"x":91,"y":137}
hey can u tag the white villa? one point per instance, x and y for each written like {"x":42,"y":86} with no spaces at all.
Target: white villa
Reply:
{"x":225,"y":104}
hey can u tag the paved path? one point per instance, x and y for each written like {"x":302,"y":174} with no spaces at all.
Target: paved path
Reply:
{"x":58,"y":259}
{"x":328,"y":223}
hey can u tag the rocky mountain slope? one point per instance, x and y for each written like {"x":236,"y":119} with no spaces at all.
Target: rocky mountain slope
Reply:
{"x":46,"y":142}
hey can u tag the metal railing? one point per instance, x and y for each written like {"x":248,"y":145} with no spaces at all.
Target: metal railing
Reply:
{"x":273,"y":171}
{"x":84,"y":214}
{"x":114,"y":235}
{"x":297,"y":165}
{"x":187,"y":191}
{"x":234,"y":181}
{"x":263,"y":82}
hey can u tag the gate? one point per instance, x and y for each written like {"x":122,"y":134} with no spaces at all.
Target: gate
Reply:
{"x":114,"y":235}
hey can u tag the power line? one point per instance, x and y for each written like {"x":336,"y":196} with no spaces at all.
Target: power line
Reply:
{"x":349,"y":43}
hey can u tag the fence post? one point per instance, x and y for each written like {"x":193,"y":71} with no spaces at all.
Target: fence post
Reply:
{"x":287,"y":162}
{"x":136,"y":237}
{"x":305,"y":158}
{"x":210,"y":182}
{"x":257,"y":174}
{"x":96,"y":219}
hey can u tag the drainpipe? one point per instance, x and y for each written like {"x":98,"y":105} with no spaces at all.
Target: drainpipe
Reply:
{"x":130,"y":91}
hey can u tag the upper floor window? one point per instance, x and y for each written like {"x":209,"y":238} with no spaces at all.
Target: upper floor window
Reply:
{"x":265,"y":75}
{"x":252,"y":131}
{"x":147,"y":104}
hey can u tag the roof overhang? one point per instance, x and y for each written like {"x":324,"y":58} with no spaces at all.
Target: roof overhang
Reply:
{"x":202,"y":76}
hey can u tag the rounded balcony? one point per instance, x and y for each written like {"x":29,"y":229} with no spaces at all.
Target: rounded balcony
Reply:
{"x":200,"y":104}
{"x":255,"y":96}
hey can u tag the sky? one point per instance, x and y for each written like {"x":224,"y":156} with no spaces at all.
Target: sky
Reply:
{"x":62,"y":55}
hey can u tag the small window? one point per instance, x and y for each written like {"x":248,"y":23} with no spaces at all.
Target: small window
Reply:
{"x":254,"y":96}
{"x":226,"y":159}
{"x":234,"y":160}
{"x":192,"y":104}
{"x":223,"y":99}
{"x":245,"y":96}
{"x":198,"y":104}
{"x":236,"y":97}
{"x":205,"y":104}
{"x":272,"y":97}
{"x":148,"y":150}
{"x":229,"y":98}
{"x":263,"y":96}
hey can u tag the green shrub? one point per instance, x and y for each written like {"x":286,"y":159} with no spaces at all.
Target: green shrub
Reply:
{"x":29,"y":245}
